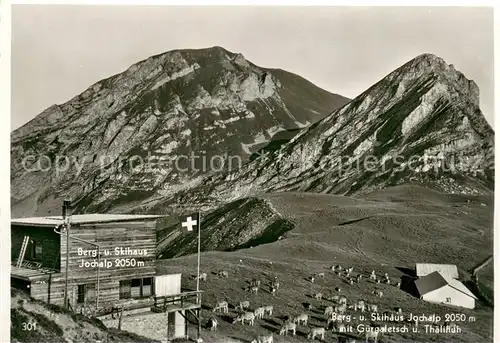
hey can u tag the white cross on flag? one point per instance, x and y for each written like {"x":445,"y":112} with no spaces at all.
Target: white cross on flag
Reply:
{"x":191,"y":222}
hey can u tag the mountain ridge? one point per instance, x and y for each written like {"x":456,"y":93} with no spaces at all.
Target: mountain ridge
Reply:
{"x":201,"y":100}
{"x":424,"y":109}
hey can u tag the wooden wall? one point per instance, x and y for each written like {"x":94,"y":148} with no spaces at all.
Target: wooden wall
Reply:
{"x":45,"y":236}
{"x":133,"y":235}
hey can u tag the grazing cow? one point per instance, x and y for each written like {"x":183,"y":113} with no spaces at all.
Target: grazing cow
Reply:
{"x":202,"y":276}
{"x":259,"y":312}
{"x":316,"y":332}
{"x":249,"y":316}
{"x":268,"y":309}
{"x":373,"y":277}
{"x":213,"y":324}
{"x":302,"y":318}
{"x":361,"y":305}
{"x":223,"y":273}
{"x":288,"y":327}
{"x":343,"y":300}
{"x":222,"y":306}
{"x":340,"y":328}
{"x":335,"y":298}
{"x":371,"y":335}
{"x":254,"y":289}
{"x":373,"y":308}
{"x":321,"y":275}
{"x":379,"y":294}
{"x":341,"y":309}
{"x":318,"y":296}
{"x":275,"y":284}
{"x":243,"y":305}
{"x":328,"y":311}
{"x":255,"y":282}
{"x":263,"y":339}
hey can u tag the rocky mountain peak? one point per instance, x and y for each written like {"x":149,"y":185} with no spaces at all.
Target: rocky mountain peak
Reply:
{"x":420,"y":124}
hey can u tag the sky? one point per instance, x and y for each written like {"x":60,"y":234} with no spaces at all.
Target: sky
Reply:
{"x":58,"y":51}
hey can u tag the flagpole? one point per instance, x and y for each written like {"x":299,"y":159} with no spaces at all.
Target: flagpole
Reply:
{"x":198,"y":295}
{"x":199,"y":244}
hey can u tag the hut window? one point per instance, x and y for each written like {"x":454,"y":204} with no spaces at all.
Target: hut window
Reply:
{"x":147,"y":286}
{"x":86,"y":293}
{"x":125,"y":289}
{"x":136,"y":288}
{"x":141,"y":288}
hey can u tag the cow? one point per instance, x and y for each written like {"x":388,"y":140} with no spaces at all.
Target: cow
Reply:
{"x":268,"y":309}
{"x":316,"y":332}
{"x":371,"y":335}
{"x":328,"y":311}
{"x":255,"y":282}
{"x":340,"y":309}
{"x":243,"y":305}
{"x":318,"y":296}
{"x":302,"y":318}
{"x":254,"y":289}
{"x":263,"y":339}
{"x":223,"y":273}
{"x":221,"y":306}
{"x":343,"y":300}
{"x":249,"y":316}
{"x":259,"y":312}
{"x":213,"y":324}
{"x":288,"y":327}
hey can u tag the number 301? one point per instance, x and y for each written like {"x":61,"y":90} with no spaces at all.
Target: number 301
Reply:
{"x":29,"y":326}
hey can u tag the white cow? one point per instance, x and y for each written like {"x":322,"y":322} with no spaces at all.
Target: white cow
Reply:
{"x":268,"y":309}
{"x":302,"y":318}
{"x":264,"y":339}
{"x":222,"y":306}
{"x":316,"y":332}
{"x":371,"y":335}
{"x":259,"y":312}
{"x":213,"y":324}
{"x":248,"y":316}
{"x":288,"y":327}
{"x":243,"y":305}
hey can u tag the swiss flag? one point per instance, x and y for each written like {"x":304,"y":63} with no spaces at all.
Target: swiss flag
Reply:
{"x":190,"y":223}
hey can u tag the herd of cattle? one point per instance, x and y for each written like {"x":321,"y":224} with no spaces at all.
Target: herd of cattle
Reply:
{"x":333,"y":315}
